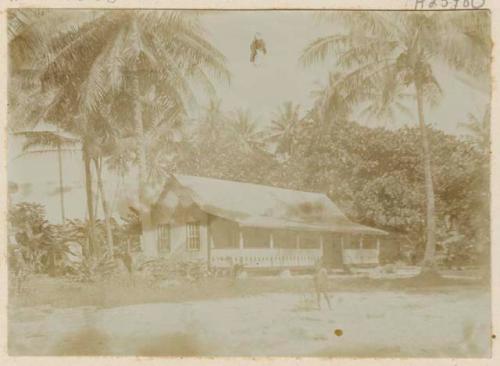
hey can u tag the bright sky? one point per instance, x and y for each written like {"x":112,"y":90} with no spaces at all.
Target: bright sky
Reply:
{"x":280,"y":78}
{"x":277,"y":78}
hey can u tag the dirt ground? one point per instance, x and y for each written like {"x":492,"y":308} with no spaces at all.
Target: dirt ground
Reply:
{"x":439,"y":323}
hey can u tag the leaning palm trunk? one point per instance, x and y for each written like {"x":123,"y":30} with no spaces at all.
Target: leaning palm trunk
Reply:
{"x":430,"y":246}
{"x":90,"y":202}
{"x":148,"y":243}
{"x":105,"y":208}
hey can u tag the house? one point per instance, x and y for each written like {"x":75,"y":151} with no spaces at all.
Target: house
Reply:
{"x":225,"y":223}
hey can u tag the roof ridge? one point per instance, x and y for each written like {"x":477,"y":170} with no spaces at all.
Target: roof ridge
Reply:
{"x":248,"y":183}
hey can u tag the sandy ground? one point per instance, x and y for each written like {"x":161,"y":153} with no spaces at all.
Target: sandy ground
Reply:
{"x":367,"y":324}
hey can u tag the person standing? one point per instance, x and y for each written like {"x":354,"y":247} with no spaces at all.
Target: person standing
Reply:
{"x":321,"y":284}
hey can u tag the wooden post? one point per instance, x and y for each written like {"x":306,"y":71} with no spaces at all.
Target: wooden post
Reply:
{"x":362,"y":256}
{"x":209,"y":243}
{"x":342,"y":248}
{"x":378,"y":250}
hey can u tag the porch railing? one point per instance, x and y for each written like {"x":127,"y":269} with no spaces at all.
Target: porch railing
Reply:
{"x":265,"y":257}
{"x":360,"y":256}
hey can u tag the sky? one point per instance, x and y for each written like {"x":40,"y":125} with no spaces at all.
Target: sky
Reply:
{"x":278,"y":77}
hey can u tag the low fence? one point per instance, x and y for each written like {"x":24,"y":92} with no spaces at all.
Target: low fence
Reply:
{"x":265,"y":258}
{"x":360,"y":256}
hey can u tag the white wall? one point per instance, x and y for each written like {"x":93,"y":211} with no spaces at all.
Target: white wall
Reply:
{"x":178,"y":241}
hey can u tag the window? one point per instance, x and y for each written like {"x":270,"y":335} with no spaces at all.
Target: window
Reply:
{"x":163,"y":238}
{"x":193,"y":236}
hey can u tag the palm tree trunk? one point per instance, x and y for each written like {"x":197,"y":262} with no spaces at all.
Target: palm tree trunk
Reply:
{"x":97,"y":242}
{"x":148,"y":238}
{"x":430,"y":247}
{"x":61,"y":184}
{"x":96,"y":201}
{"x":90,"y":202}
{"x":105,"y":207}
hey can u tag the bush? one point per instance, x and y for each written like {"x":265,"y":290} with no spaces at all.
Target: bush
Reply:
{"x":161,"y":269}
{"x":39,"y":242}
{"x":460,"y":255}
{"x":44,"y":246}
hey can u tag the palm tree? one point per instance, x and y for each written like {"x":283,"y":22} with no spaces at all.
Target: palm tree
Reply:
{"x":49,"y":141}
{"x":247,"y":134}
{"x":92,"y":142}
{"x":284,"y":125}
{"x":212,"y":122}
{"x":330,"y":103}
{"x":125,"y":52}
{"x":29,"y":29}
{"x":30,"y":32}
{"x":479,"y":129}
{"x":383,"y":52}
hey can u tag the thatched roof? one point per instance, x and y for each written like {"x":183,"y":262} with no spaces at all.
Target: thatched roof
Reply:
{"x":255,"y":205}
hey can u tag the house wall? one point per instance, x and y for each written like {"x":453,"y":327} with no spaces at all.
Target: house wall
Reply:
{"x":179,"y":241}
{"x":181,"y":211}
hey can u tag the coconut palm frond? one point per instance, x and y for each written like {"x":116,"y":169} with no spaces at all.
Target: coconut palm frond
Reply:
{"x":28,"y":31}
{"x":246,"y":131}
{"x":47,"y":151}
{"x":432,"y":91}
{"x":21,"y":21}
{"x":360,"y":84}
{"x":68,"y":52}
{"x":465,"y":41}
{"x":96,"y":84}
{"x":381,"y":24}
{"x":116,"y":61}
{"x":479,"y":129}
{"x":363,"y":51}
{"x":184,"y":37}
{"x":318,"y":50}
{"x":45,"y":139}
{"x":284,"y":124}
{"x":174,"y":82}
{"x":202,"y":54}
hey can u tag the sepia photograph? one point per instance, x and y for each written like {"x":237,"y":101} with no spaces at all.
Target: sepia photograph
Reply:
{"x":249,"y":183}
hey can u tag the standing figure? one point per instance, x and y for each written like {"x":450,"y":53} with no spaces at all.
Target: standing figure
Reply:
{"x":321,"y":284}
